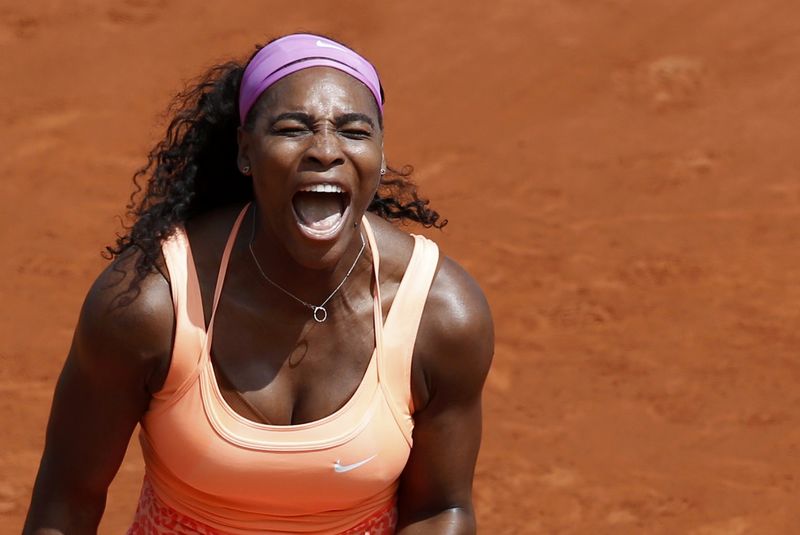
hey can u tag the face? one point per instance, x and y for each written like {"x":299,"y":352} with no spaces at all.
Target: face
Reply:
{"x":316,"y":152}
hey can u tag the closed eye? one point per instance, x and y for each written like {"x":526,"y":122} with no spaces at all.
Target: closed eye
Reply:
{"x":355,"y":125}
{"x":290,"y":124}
{"x":356,"y":133}
{"x":290,"y":131}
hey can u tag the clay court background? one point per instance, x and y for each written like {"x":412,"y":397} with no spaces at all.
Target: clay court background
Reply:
{"x":621,"y":176}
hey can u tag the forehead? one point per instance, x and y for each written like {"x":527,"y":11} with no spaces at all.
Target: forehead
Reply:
{"x":319,"y":90}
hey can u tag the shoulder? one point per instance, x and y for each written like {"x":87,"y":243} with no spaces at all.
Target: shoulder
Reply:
{"x":395,"y":246}
{"x":456,"y":311}
{"x":456,"y":304}
{"x":214,"y":225}
{"x":207,"y":234}
{"x":125,"y":330}
{"x":455,"y":343}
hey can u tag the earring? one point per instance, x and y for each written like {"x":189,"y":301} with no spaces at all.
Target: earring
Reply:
{"x":383,"y":171}
{"x":246,"y":170}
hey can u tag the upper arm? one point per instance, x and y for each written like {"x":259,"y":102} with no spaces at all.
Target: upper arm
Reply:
{"x":120,"y":348}
{"x":454,"y":349}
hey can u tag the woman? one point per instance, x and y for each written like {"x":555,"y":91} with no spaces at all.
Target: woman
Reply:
{"x":276,"y":336}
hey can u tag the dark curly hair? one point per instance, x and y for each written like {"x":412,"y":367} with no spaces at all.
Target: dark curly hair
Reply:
{"x":185,"y":170}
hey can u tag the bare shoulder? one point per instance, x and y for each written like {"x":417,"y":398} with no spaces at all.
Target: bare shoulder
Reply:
{"x":396,"y":247}
{"x":455,"y":344}
{"x":456,"y":325}
{"x":213,"y":227}
{"x":457,"y":331}
{"x":126,"y":329}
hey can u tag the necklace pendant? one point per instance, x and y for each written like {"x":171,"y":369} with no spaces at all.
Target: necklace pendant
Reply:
{"x":320,"y":314}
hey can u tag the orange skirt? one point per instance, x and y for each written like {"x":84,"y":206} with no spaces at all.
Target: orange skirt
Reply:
{"x":154,"y":517}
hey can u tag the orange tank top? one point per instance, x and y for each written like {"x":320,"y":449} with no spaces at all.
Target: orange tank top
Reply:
{"x":207,"y":462}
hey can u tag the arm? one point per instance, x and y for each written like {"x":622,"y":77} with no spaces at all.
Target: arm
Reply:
{"x":119,"y":354}
{"x":454,"y":351}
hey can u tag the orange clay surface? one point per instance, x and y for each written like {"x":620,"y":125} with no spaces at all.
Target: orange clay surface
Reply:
{"x":620,"y":176}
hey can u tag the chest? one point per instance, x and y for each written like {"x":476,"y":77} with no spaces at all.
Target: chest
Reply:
{"x":274,"y":364}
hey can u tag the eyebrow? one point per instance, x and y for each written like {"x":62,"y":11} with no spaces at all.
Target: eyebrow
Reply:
{"x":307,"y":120}
{"x":292,"y":116}
{"x":354,"y":118}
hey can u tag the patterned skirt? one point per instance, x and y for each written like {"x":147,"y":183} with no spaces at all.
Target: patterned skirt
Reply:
{"x":154,"y":517}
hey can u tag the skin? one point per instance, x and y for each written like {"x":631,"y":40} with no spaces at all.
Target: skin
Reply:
{"x":267,"y":350}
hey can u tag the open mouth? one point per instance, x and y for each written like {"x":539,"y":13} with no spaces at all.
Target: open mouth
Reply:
{"x":320,"y":209}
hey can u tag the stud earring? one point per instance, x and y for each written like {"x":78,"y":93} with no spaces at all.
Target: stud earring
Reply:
{"x":246,"y":170}
{"x":383,"y":171}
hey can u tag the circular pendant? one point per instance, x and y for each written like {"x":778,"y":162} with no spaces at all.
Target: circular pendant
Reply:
{"x":320,"y":314}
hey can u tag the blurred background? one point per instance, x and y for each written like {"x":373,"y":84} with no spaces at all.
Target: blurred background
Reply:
{"x":621,"y":176}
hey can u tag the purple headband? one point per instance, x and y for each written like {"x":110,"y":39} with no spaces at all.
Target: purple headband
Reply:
{"x":300,"y":51}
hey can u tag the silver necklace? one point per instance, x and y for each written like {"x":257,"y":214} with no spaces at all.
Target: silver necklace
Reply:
{"x":319,"y":313}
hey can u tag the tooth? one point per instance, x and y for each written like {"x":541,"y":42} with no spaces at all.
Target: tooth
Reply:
{"x":323,"y":188}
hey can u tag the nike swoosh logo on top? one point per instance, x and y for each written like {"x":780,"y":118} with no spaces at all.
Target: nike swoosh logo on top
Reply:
{"x":337,"y":467}
{"x":323,"y":44}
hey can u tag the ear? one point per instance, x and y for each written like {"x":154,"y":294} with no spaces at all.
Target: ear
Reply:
{"x":243,"y":155}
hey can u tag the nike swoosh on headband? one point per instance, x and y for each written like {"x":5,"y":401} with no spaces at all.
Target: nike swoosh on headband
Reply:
{"x":339,"y":468}
{"x":323,"y":44}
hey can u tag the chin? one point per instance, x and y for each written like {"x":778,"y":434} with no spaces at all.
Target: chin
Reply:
{"x":322,"y":249}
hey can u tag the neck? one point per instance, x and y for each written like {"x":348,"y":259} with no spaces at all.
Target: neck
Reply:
{"x":284,"y":274}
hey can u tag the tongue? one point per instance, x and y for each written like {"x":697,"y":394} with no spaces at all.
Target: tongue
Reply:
{"x":319,"y":211}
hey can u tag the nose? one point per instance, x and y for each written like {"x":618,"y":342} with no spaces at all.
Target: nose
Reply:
{"x":325,"y":151}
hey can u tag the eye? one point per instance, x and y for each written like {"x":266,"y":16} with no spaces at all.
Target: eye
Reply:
{"x":356,"y":133}
{"x":289,"y":130}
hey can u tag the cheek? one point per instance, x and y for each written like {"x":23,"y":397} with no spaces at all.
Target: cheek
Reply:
{"x":368,"y":189}
{"x":368,"y":159}
{"x":280,"y":149}
{"x":274,"y":154}
{"x":370,"y":171}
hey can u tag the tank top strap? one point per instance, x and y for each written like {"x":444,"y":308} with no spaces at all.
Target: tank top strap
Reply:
{"x":223,"y":269}
{"x":377,"y":310}
{"x":395,"y":338}
{"x":188,"y":309}
{"x":402,"y":324}
{"x":191,"y":335}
